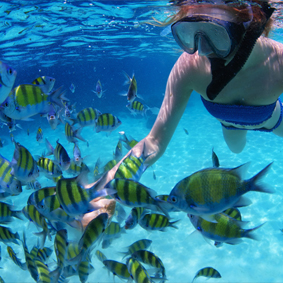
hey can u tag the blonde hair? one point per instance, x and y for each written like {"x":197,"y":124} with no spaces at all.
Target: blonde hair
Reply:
{"x":240,"y":13}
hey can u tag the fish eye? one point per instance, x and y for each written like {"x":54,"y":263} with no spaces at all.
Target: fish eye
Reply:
{"x":173,"y":199}
{"x":6,"y":104}
{"x":9,"y":71}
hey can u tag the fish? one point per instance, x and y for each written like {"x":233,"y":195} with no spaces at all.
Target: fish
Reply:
{"x":24,"y":167}
{"x":100,"y":255}
{"x":215,"y":160}
{"x":132,"y":90}
{"x":153,"y":175}
{"x":92,"y":234}
{"x":7,"y":79}
{"x":72,"y":88}
{"x":186,"y":131}
{"x":8,"y":182}
{"x":44,"y":253}
{"x":73,"y":135}
{"x":96,"y":171}
{"x":137,"y":271}
{"x":12,"y":126}
{"x":87,"y":117}
{"x":133,"y":194}
{"x":136,"y":107}
{"x":117,"y":268}
{"x":107,"y":122}
{"x":155,"y":221}
{"x":118,"y":153}
{"x":7,"y":236}
{"x":77,"y":155}
{"x":132,"y":167}
{"x":60,"y":154}
{"x":74,"y":198}
{"x":44,"y":274}
{"x":134,"y":217}
{"x":136,"y":246}
{"x":169,"y":207}
{"x":39,"y":135}
{"x":45,"y":83}
{"x":98,"y":89}
{"x":109,"y":165}
{"x":75,"y":169}
{"x":53,"y":116}
{"x":15,"y":259}
{"x":113,"y":230}
{"x":208,"y":272}
{"x":49,"y":168}
{"x":37,"y":196}
{"x":32,"y":214}
{"x":27,"y":100}
{"x":224,"y":229}
{"x":151,"y":259}
{"x":129,"y":143}
{"x":7,"y":212}
{"x":212,"y":190}
{"x":60,"y":247}
{"x":84,"y":270}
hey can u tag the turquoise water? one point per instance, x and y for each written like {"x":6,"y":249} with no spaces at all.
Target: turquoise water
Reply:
{"x":55,"y":40}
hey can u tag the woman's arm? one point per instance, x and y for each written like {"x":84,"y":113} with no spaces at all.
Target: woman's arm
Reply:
{"x":177,"y":94}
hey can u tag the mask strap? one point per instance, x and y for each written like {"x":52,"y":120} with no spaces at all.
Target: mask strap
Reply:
{"x":221,"y":74}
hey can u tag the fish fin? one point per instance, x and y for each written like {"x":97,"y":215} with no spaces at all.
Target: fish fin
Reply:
{"x":172,"y":224}
{"x":243,"y":201}
{"x":77,"y":134}
{"x":49,"y":148}
{"x":160,"y":205}
{"x":240,"y":171}
{"x":234,"y":241}
{"x":254,"y":185}
{"x":249,"y":233}
{"x":209,"y":218}
{"x":57,"y":96}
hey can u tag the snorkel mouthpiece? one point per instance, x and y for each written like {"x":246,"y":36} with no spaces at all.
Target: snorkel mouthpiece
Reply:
{"x":221,"y":74}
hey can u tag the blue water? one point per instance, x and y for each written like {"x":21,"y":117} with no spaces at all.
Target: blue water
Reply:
{"x":94,"y":40}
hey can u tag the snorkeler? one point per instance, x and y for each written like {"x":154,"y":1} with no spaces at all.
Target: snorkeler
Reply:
{"x":231,"y":63}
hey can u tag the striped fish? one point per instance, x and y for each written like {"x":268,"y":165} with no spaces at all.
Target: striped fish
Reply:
{"x":96,"y":171}
{"x":84,"y":269}
{"x":100,"y":255}
{"x":28,"y":100}
{"x":37,"y":196}
{"x":73,"y":135}
{"x":132,"y":91}
{"x":49,"y":168}
{"x":109,"y":165}
{"x":45,"y":83}
{"x":14,"y":258}
{"x":92,"y":234}
{"x":132,"y":167}
{"x":137,"y":271}
{"x":44,"y":253}
{"x":39,"y":135}
{"x":60,"y":247}
{"x":29,"y":261}
{"x":24,"y":167}
{"x":129,"y":143}
{"x":208,"y":272}
{"x":134,"y":216}
{"x":107,"y":122}
{"x":87,"y":117}
{"x":156,"y":222}
{"x":33,"y":252}
{"x":42,"y":271}
{"x":74,"y":198}
{"x":117,"y":268}
{"x":7,"y":79}
{"x":212,"y":190}
{"x":8,"y":182}
{"x":150,"y":258}
{"x":75,"y":169}
{"x":134,"y":194}
{"x":7,"y":236}
{"x":114,"y":230}
{"x":6,"y":213}
{"x":32,"y":214}
{"x":224,"y":229}
{"x":60,"y":154}
{"x":137,"y":107}
{"x":136,"y":246}
{"x":98,"y":89}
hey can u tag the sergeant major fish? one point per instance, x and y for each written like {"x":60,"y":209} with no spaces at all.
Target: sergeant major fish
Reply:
{"x":7,"y":79}
{"x":45,"y":83}
{"x":107,"y":122}
{"x":132,"y":91}
{"x":212,"y":190}
{"x":98,"y":89}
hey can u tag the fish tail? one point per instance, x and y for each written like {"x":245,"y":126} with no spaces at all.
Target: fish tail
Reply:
{"x":171,"y":224}
{"x":77,"y":134}
{"x":18,"y":214}
{"x":49,"y":147}
{"x":249,"y":233}
{"x":254,"y":183}
{"x":57,"y":96}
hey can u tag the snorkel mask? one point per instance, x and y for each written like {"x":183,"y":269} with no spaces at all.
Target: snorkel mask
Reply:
{"x":215,"y":34}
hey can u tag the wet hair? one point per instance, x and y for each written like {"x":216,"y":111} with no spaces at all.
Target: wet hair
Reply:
{"x":239,"y":12}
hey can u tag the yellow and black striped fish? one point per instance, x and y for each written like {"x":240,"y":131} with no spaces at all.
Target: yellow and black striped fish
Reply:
{"x":24,"y":167}
{"x":84,"y":269}
{"x":49,"y":168}
{"x":136,"y":246}
{"x":45,"y":83}
{"x":136,"y":107}
{"x":75,"y":169}
{"x":129,"y":143}
{"x":134,"y":217}
{"x":107,"y":122}
{"x":37,"y":196}
{"x":6,"y":213}
{"x":7,"y":236}
{"x":44,"y":253}
{"x":114,"y":230}
{"x":14,"y":258}
{"x":100,"y":256}
{"x":150,"y":258}
{"x":8,"y":182}
{"x":87,"y":117}
{"x":117,"y":268}
{"x":137,"y":271}
{"x":60,"y":247}
{"x":208,"y":272}
{"x":72,"y":135}
{"x":156,"y":222}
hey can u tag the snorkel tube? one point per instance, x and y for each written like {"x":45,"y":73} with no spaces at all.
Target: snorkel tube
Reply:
{"x":221,"y":74}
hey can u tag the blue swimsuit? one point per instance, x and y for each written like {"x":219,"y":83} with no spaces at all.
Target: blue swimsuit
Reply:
{"x":243,"y":114}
